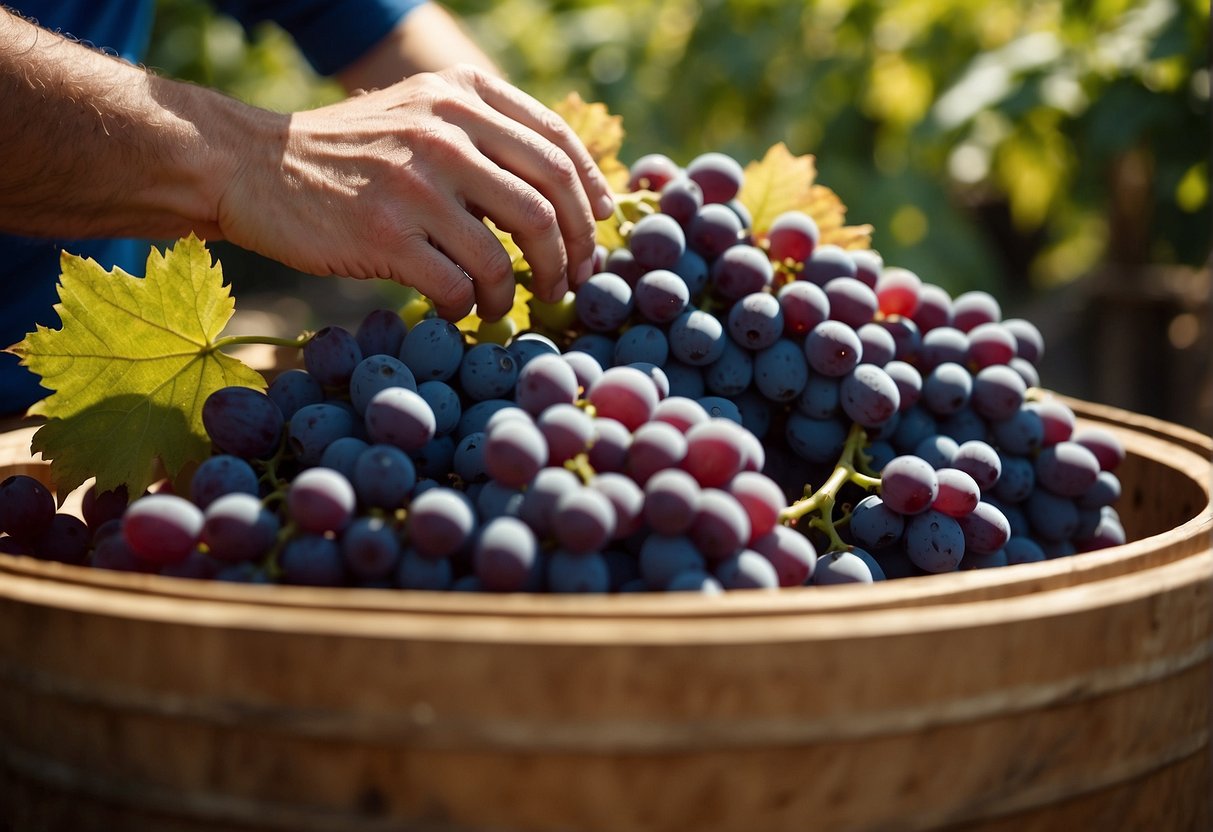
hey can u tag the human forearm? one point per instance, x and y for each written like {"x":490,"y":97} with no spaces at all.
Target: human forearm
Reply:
{"x":391,"y":184}
{"x":97,"y":147}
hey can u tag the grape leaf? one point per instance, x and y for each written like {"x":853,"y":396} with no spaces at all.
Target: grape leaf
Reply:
{"x":600,"y":132}
{"x":782,"y":182}
{"x":131,"y":366}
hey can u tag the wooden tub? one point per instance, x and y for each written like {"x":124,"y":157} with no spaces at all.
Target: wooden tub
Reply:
{"x":1073,"y":694}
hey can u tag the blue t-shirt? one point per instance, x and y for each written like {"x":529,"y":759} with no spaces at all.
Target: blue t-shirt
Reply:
{"x":330,"y":33}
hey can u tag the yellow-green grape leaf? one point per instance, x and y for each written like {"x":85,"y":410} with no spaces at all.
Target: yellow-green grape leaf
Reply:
{"x":518,"y":319}
{"x":517,"y":259}
{"x":781,"y":182}
{"x":131,"y":367}
{"x":600,"y":132}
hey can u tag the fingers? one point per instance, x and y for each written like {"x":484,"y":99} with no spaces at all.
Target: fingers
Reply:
{"x":544,"y":169}
{"x":438,"y":278}
{"x":522,"y":108}
{"x":469,"y":243}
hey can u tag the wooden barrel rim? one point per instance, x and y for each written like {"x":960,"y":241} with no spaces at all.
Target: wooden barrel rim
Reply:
{"x":1147,"y":435}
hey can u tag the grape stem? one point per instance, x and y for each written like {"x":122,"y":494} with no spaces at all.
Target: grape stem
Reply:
{"x":580,"y":465}
{"x":237,"y":340}
{"x":821,"y":502}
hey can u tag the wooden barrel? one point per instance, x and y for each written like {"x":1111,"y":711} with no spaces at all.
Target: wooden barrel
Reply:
{"x":1073,"y":695}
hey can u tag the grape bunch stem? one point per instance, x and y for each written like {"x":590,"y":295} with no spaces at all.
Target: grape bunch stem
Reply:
{"x":822,"y":501}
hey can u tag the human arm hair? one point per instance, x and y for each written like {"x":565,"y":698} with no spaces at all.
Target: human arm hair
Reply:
{"x":95,"y":146}
{"x":391,"y":184}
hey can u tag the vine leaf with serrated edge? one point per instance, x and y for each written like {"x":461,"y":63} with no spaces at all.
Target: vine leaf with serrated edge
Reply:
{"x":130,"y":368}
{"x":781,"y":182}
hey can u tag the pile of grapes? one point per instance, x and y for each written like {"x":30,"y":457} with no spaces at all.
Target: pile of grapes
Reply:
{"x":713,"y":410}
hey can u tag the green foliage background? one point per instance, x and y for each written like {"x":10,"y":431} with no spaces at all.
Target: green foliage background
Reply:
{"x":988,"y":141}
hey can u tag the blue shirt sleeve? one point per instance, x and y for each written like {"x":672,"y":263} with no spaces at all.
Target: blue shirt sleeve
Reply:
{"x":331,"y":33}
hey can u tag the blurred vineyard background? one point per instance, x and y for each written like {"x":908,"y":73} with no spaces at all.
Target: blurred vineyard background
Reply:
{"x":1054,"y":152}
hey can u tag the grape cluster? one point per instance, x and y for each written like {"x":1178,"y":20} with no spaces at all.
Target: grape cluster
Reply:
{"x":714,"y":408}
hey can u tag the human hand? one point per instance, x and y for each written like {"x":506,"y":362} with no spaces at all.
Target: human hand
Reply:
{"x":394,"y":184}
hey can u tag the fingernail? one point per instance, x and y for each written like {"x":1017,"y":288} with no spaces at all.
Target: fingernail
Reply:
{"x":559,"y":291}
{"x":583,"y":273}
{"x":606,"y":206}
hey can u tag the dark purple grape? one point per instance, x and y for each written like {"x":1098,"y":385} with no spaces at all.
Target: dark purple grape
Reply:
{"x":721,"y":526}
{"x":571,"y":572}
{"x":792,"y":237}
{"x":663,"y":557}
{"x":869,"y":396}
{"x":739,"y":271}
{"x":542,"y":495}
{"x":746,"y":570}
{"x":696,"y":337}
{"x":100,"y":507}
{"x":27,"y":507}
{"x":506,"y":555}
{"x":316,"y":426}
{"x":65,"y":539}
{"x":384,"y":477}
{"x":432,"y":350}
{"x":641,"y":344}
{"x":671,"y":501}
{"x":440,"y":522}
{"x":781,"y":371}
{"x":657,"y":241}
{"x":908,"y":485}
{"x":219,"y":475}
{"x":655,"y":447}
{"x":851,"y":301}
{"x":714,"y":229}
{"x":604,"y":302}
{"x":242,"y":421}
{"x":790,"y":552}
{"x":1029,"y":343}
{"x":970,"y":309}
{"x":681,"y":198}
{"x":1067,"y":469}
{"x":381,"y":332}
{"x":986,"y":529}
{"x":839,"y":567}
{"x":292,"y":389}
{"x":237,"y":527}
{"x":934,"y":541}
{"x":399,"y":416}
{"x":515,"y":452}
{"x":375,"y":373}
{"x":756,"y":321}
{"x":833,"y":349}
{"x":627,"y":499}
{"x":162,"y":528}
{"x":545,"y":381}
{"x":934,"y":308}
{"x":312,"y":560}
{"x":583,"y":520}
{"x":331,"y":356}
{"x":874,"y":525}
{"x":370,"y":548}
{"x":815,"y":440}
{"x":651,"y":172}
{"x":321,"y":500}
{"x":718,"y":175}
{"x":827,"y":262}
